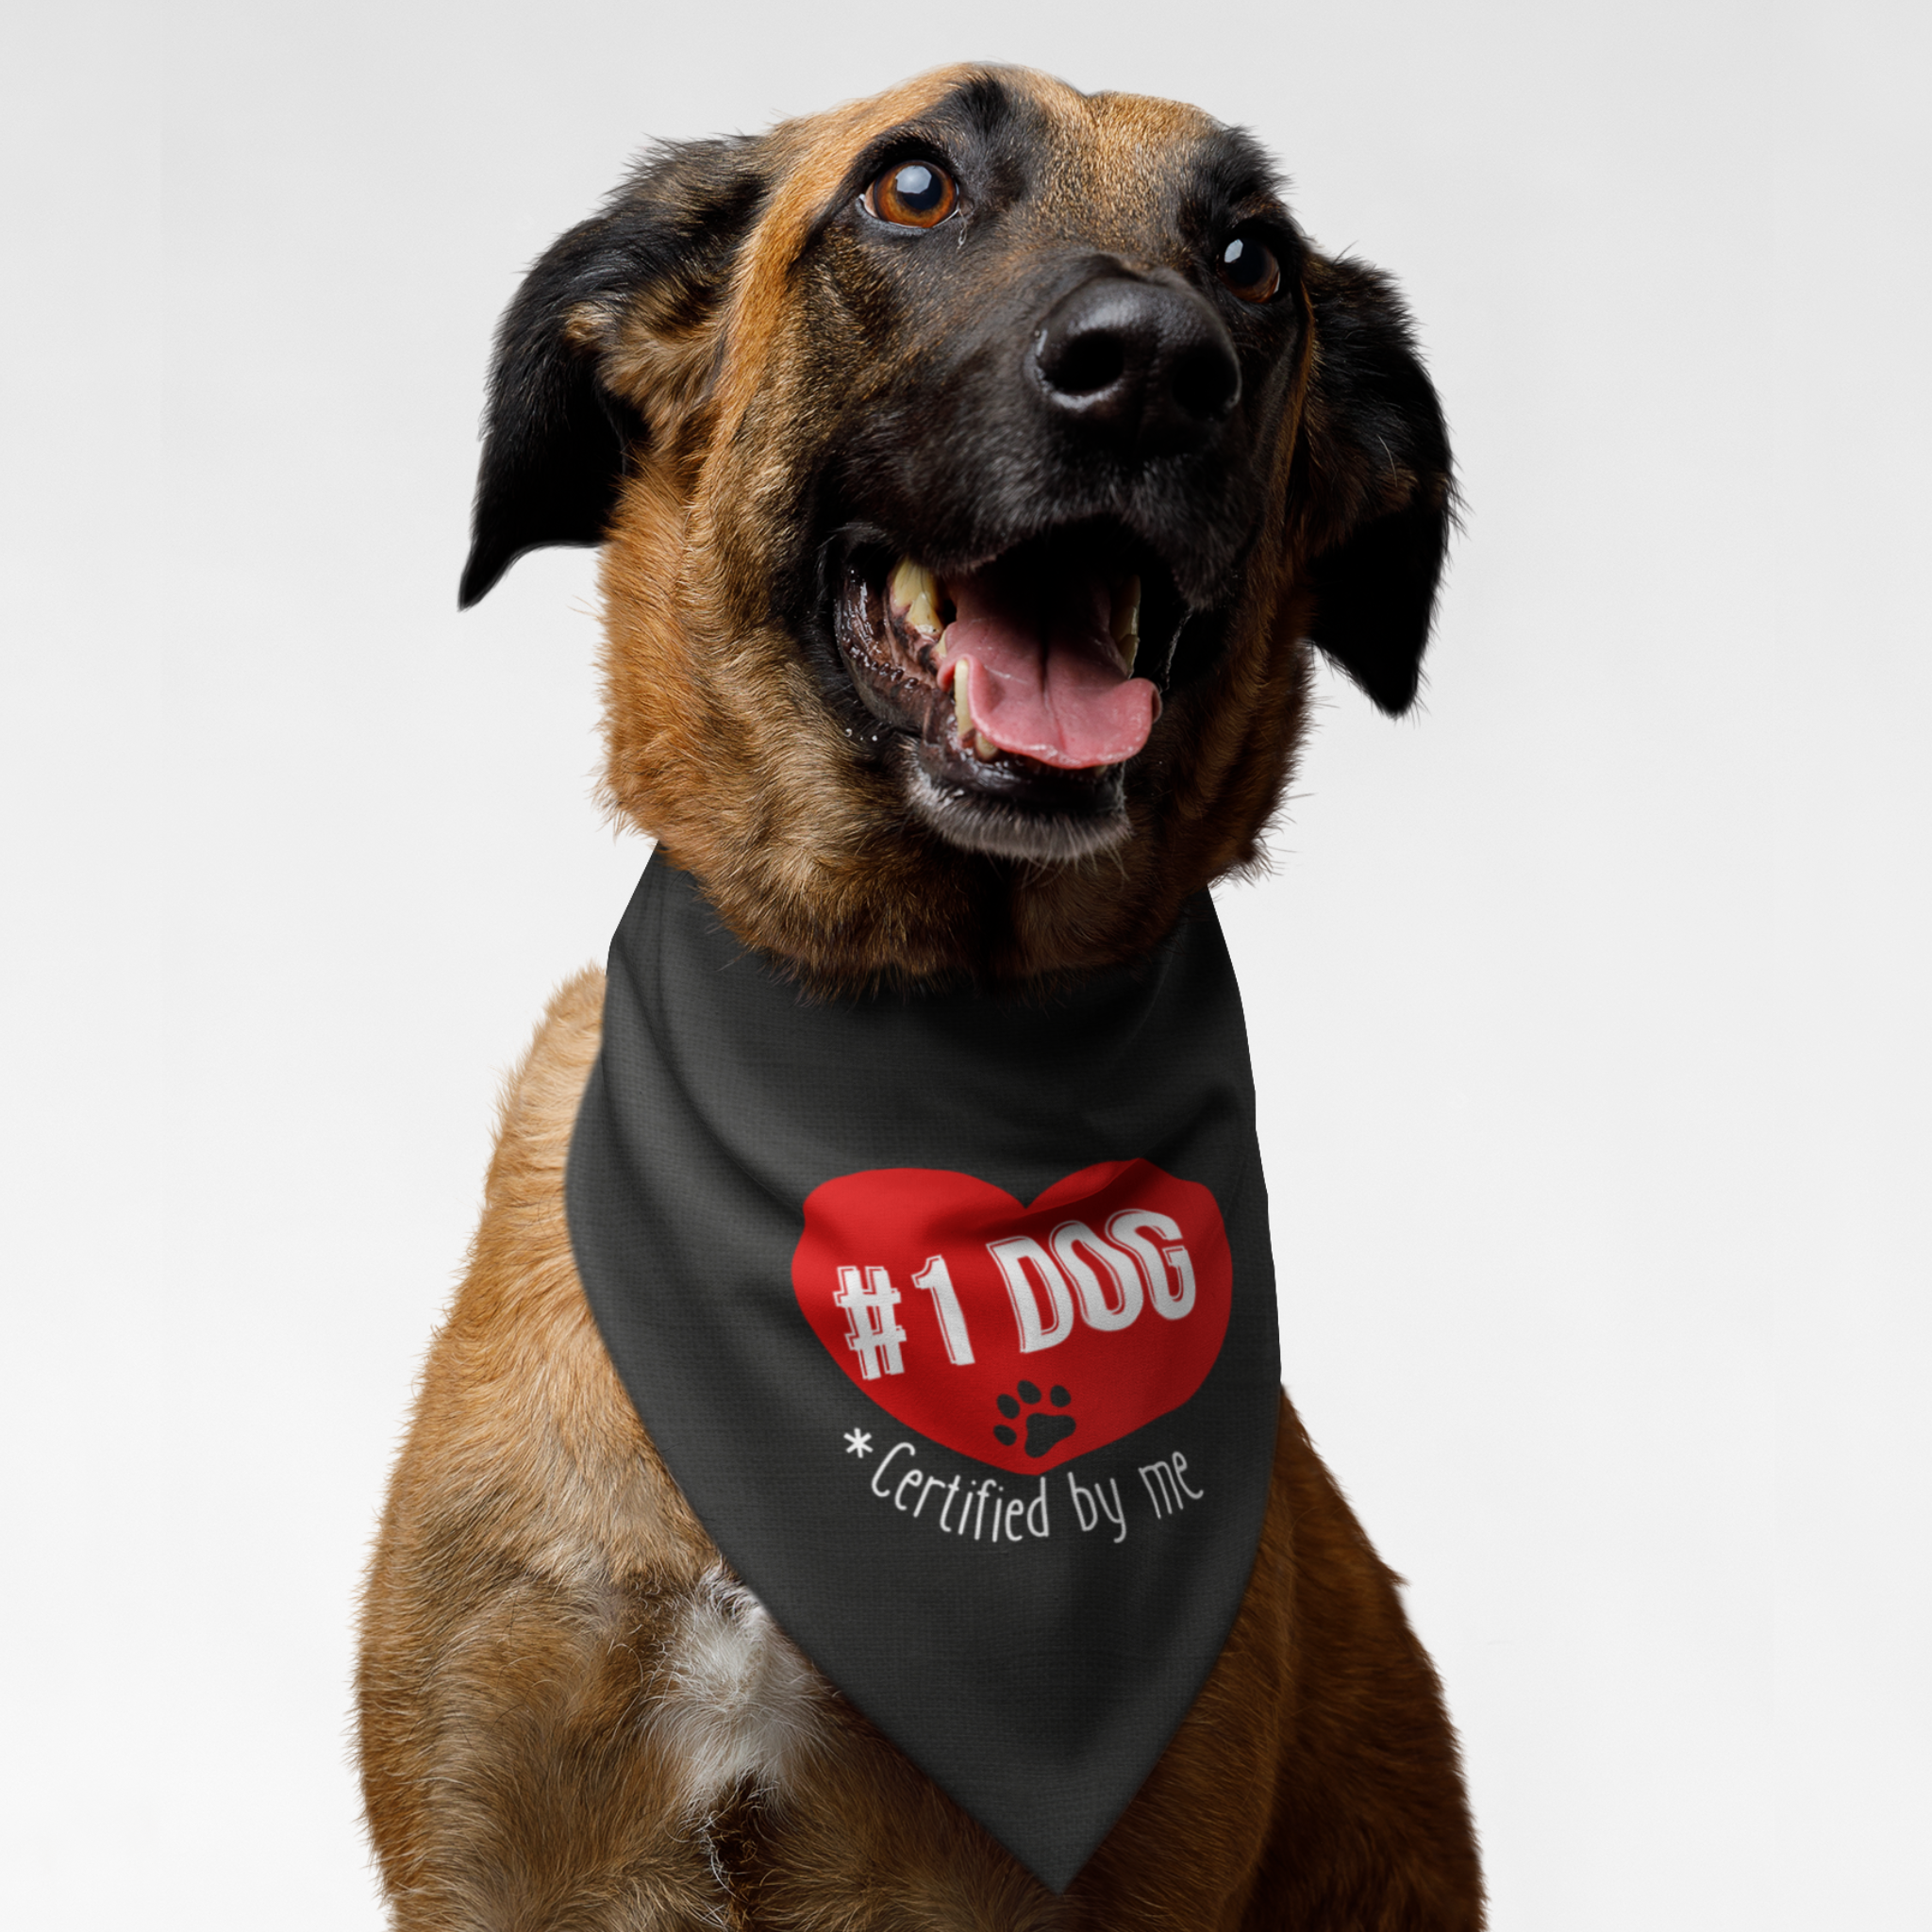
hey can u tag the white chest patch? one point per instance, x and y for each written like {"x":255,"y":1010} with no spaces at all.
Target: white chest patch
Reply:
{"x":734,"y":1699}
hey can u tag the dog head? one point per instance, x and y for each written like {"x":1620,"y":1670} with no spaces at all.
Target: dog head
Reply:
{"x":975,"y":467}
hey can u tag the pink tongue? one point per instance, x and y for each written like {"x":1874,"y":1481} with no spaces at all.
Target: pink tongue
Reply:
{"x":1044,"y":675}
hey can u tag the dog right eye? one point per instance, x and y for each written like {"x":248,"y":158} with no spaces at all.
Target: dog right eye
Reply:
{"x":913,"y":194}
{"x":1249,"y":267}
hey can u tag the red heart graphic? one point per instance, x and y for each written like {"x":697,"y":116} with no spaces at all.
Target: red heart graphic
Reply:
{"x":1023,"y":1336}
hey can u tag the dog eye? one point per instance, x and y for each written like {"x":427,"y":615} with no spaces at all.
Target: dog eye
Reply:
{"x":1248,"y":266}
{"x":915,"y":194}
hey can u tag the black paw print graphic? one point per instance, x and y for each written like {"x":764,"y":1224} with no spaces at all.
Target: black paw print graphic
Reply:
{"x":1042,"y":1428}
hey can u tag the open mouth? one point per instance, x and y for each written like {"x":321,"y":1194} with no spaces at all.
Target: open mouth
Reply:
{"x":1016,"y":692}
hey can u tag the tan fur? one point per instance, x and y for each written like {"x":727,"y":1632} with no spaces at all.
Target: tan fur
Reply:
{"x":572,"y":1715}
{"x":527,"y":1616}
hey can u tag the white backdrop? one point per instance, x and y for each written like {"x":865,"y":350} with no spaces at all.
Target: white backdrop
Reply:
{"x":1588,"y":1004}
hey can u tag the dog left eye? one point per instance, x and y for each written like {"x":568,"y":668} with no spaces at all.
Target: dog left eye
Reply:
{"x":1248,"y":266}
{"x":913,"y":194}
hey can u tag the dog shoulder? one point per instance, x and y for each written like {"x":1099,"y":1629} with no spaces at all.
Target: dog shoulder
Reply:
{"x":539,"y":1106}
{"x":522,"y":1434}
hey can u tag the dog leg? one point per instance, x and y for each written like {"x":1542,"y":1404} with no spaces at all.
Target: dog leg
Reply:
{"x":1370,"y":1829}
{"x":515,"y":1786}
{"x":544,"y":1618}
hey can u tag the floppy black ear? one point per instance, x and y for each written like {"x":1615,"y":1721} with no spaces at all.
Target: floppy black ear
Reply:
{"x":1379,"y":452}
{"x":557,"y":440}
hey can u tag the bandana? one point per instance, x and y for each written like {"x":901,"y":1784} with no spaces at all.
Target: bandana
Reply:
{"x":954,"y":1318}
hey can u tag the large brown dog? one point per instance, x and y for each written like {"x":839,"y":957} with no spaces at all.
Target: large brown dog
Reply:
{"x":983,"y":336}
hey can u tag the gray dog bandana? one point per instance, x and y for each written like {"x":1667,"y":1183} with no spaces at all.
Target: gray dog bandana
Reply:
{"x":953,"y":1317}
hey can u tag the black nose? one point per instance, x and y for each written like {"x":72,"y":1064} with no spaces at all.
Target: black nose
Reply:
{"x":1146,"y":365}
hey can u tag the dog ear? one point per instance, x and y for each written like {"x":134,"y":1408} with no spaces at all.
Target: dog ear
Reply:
{"x":1384,"y":493}
{"x":557,"y":437}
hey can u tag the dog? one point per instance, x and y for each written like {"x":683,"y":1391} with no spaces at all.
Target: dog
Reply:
{"x":981,"y":337}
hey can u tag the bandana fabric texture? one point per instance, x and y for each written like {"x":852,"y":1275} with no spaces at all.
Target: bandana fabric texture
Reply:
{"x":954,"y":1318}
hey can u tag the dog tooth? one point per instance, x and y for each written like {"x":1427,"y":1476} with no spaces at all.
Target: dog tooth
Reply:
{"x":915,"y":589}
{"x":1126,"y":620}
{"x":962,"y":709}
{"x":983,"y":747}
